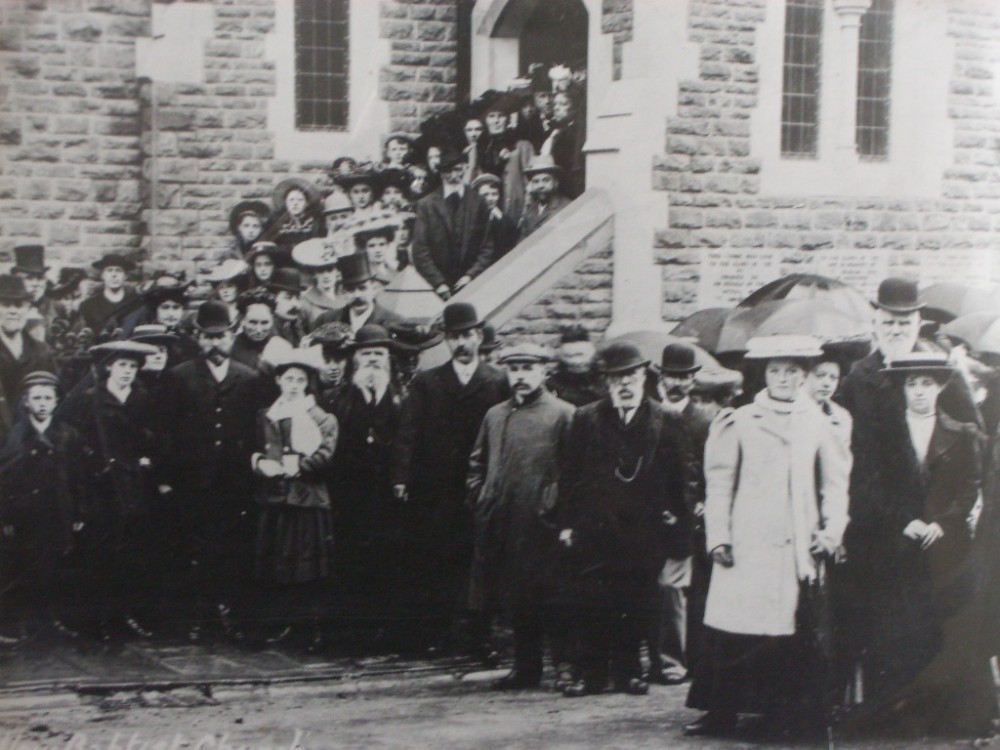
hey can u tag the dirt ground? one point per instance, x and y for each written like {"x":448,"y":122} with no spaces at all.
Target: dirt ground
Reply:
{"x":442,"y":711}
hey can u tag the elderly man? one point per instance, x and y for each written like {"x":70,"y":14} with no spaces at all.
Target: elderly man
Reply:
{"x":440,"y":421}
{"x":362,"y":288}
{"x":214,"y":401}
{"x":574,"y":379}
{"x":544,"y":198}
{"x":513,"y":480}
{"x":98,"y":309}
{"x":451,"y":240}
{"x":623,"y":513}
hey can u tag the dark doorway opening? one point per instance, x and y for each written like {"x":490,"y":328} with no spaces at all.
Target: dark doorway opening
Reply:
{"x":555,"y":34}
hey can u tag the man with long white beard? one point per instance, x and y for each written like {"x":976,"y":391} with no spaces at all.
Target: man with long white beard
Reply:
{"x":368,"y":412}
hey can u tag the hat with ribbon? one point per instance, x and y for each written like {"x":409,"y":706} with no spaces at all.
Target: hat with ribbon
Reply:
{"x":337,"y":202}
{"x":314,"y":253}
{"x":230,"y":269}
{"x":283,"y":188}
{"x":919,"y":363}
{"x":270,"y":249}
{"x":68,"y":282}
{"x":111,"y":350}
{"x":784,"y":346}
{"x":153,"y":333}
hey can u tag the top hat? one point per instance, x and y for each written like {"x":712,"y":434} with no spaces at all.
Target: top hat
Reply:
{"x":117,"y":349}
{"x":411,"y":336}
{"x":371,"y":334}
{"x":114,"y":259}
{"x":919,"y":363}
{"x":152,"y":333}
{"x":263,"y":247}
{"x":213,"y":317}
{"x":228,"y":270}
{"x":354,"y":269}
{"x":69,"y":279}
{"x":361,"y":175}
{"x":247,"y":208}
{"x":459,"y":317}
{"x":784,"y":346}
{"x":491,"y":342}
{"x":898,"y":296}
{"x":678,"y":359}
{"x":526,"y":351}
{"x":39,"y":377}
{"x":620,"y":357}
{"x":286,"y":280}
{"x":314,"y":253}
{"x":542,"y":164}
{"x":336,"y":202}
{"x":450,"y":157}
{"x":30,"y":259}
{"x":283,"y":188}
{"x":12,"y":289}
{"x":333,"y":337}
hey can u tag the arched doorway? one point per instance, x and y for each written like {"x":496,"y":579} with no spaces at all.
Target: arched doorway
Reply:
{"x":554,"y":34}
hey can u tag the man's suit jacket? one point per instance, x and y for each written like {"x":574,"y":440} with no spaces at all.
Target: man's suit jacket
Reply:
{"x":380,"y":316}
{"x":447,"y":247}
{"x":532,"y":219}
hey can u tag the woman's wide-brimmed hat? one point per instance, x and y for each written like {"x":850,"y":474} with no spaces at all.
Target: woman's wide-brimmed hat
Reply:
{"x":784,"y":346}
{"x":413,"y":337}
{"x":114,"y":259}
{"x":153,"y":333}
{"x":111,"y":350}
{"x":69,"y":281}
{"x":310,"y":360}
{"x":247,"y":208}
{"x":230,"y":269}
{"x":366,"y":175}
{"x":166,"y":287}
{"x":919,"y":363}
{"x":270,"y":249}
{"x":284,"y":187}
{"x":334,"y":337}
{"x":314,"y":253}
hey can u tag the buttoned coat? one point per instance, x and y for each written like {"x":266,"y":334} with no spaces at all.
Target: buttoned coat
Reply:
{"x":532,"y":218}
{"x":309,"y":489}
{"x":445,"y":247}
{"x":776,"y":477}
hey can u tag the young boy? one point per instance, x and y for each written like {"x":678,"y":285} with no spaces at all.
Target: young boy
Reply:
{"x":42,"y":500}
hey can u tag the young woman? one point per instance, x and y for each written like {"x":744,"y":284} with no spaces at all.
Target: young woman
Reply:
{"x":775,"y":507}
{"x":262,"y":260}
{"x":246,"y":224}
{"x":296,"y":441}
{"x":228,"y":280}
{"x":297,"y":216}
{"x":397,"y":151}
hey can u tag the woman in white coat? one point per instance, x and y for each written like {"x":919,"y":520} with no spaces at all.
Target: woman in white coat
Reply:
{"x":775,"y":505}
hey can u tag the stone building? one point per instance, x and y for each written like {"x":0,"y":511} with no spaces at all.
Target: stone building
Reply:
{"x":729,"y":141}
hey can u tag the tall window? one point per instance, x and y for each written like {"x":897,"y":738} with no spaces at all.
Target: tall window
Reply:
{"x":874,"y":77}
{"x":800,"y":84}
{"x":321,"y":64}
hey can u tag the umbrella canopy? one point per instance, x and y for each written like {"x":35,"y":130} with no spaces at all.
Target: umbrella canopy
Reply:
{"x":946,"y":301}
{"x":411,"y":296}
{"x":807,"y":286}
{"x":652,"y":343}
{"x":796,"y":316}
{"x":703,"y":326}
{"x":969,"y":329}
{"x":990,"y":340}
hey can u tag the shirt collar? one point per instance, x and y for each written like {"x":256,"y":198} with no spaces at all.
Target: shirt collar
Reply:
{"x":460,"y":189}
{"x":219,"y":372}
{"x":41,"y":427}
{"x":463,"y":371}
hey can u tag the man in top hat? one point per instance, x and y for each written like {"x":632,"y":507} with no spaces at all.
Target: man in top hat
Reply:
{"x":20,"y":353}
{"x":623,"y":513}
{"x":98,"y":309}
{"x":451,"y":240}
{"x":368,"y":410}
{"x":362,"y":288}
{"x":287,"y":287}
{"x":512,"y":483}
{"x":214,"y":401}
{"x":29,"y":264}
{"x":544,"y":197}
{"x":574,"y":379}
{"x":440,"y":421}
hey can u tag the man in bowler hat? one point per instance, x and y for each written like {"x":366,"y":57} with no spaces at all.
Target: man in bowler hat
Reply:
{"x":440,"y":421}
{"x":451,"y":240}
{"x":362,"y":287}
{"x":622,"y":514}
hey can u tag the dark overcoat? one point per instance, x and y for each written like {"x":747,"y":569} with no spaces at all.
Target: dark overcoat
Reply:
{"x":532,"y":218}
{"x":447,"y":247}
{"x":35,"y":355}
{"x":309,"y":489}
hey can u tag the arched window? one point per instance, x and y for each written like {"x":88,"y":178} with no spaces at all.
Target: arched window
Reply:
{"x":321,"y":64}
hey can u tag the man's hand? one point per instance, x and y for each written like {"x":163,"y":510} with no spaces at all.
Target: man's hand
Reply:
{"x":915,"y":530}
{"x":145,"y":463}
{"x":723,"y":555}
{"x":461,"y":283}
{"x":270,"y":468}
{"x":443,"y":292}
{"x":399,"y":492}
{"x":932,"y":533}
{"x":566,"y":537}
{"x":164,"y":489}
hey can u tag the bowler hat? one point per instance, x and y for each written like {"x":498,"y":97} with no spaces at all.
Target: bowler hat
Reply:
{"x":919,"y":363}
{"x":69,"y":279}
{"x":371,"y":334}
{"x":116,"y":349}
{"x":12,"y":289}
{"x":526,"y":351}
{"x":678,"y":359}
{"x":286,"y":280}
{"x":247,"y":208}
{"x":114,"y":259}
{"x":898,"y":296}
{"x":411,"y":336}
{"x":620,"y":357}
{"x":314,"y":253}
{"x":542,"y":164}
{"x":491,"y":342}
{"x":784,"y":346}
{"x":450,"y":157}
{"x":213,"y":317}
{"x":153,"y":333}
{"x":39,"y":377}
{"x":30,"y":259}
{"x":354,"y":269}
{"x":459,"y":317}
{"x":283,"y":188}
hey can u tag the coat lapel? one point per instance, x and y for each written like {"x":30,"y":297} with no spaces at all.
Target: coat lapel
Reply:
{"x":942,"y":439}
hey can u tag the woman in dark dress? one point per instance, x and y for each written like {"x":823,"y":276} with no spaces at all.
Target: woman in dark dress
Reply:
{"x":246,"y":224}
{"x":297,"y":217}
{"x":294,"y":553}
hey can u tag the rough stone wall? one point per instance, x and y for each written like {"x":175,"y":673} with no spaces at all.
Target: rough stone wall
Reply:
{"x":714,"y":183}
{"x":69,"y":126}
{"x":419,"y":80}
{"x":583,"y":297}
{"x":617,"y":19}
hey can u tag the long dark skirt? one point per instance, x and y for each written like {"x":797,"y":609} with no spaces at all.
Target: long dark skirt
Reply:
{"x":294,"y":545}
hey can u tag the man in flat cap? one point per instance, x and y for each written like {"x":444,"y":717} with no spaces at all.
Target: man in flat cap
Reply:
{"x":451,"y":240}
{"x":440,"y":421}
{"x":98,"y":309}
{"x":513,"y":481}
{"x":622,"y":512}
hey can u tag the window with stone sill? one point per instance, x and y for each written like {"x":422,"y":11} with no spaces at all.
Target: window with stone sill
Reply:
{"x":321,"y":64}
{"x":801,"y":78}
{"x":874,"y":77}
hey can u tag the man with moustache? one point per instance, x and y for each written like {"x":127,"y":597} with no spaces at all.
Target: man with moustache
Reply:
{"x":623,"y":513}
{"x":256,"y":335}
{"x":440,"y":421}
{"x":29,"y":264}
{"x":512,"y":483}
{"x":362,"y":287}
{"x":214,"y":402}
{"x":368,"y":411}
{"x":287,"y":287}
{"x":544,"y":198}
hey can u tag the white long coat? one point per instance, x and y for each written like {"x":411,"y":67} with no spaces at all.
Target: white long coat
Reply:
{"x":776,"y":477}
